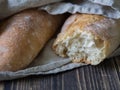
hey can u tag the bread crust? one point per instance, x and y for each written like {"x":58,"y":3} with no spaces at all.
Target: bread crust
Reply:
{"x":23,"y":35}
{"x":106,"y":29}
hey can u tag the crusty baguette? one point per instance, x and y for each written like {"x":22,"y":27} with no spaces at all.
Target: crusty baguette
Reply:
{"x":88,"y":38}
{"x":24,"y":35}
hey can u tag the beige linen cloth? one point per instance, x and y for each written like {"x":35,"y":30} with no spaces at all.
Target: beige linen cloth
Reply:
{"x":47,"y":62}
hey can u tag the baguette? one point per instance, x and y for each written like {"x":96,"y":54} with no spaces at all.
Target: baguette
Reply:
{"x":87,"y":38}
{"x":23,"y":35}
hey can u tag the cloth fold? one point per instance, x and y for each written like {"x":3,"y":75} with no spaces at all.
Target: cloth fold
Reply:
{"x":47,"y":61}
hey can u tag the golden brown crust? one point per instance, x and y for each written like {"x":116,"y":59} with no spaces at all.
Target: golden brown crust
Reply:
{"x":77,"y":21}
{"x":23,"y":36}
{"x":105,"y":30}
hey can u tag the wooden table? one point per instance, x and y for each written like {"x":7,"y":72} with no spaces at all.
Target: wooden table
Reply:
{"x":105,"y":76}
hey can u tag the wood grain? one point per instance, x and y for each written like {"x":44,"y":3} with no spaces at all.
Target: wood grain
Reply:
{"x":105,"y":76}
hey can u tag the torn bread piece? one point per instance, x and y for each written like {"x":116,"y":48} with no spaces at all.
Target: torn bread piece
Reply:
{"x":88,"y":38}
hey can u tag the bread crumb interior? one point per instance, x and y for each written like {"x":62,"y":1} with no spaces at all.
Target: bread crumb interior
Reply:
{"x":82,"y":47}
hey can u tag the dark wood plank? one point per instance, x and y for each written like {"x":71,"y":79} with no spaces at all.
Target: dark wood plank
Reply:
{"x":57,"y":82}
{"x":117,"y":65}
{"x":101,"y":77}
{"x":105,"y":76}
{"x":29,"y":83}
{"x":71,"y":81}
